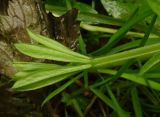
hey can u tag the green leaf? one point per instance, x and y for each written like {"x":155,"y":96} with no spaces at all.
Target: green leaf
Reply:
{"x":123,"y":56}
{"x":21,"y":74}
{"x":133,"y":44}
{"x":39,"y":84}
{"x":82,"y":45}
{"x":77,"y":107}
{"x":52,"y":44}
{"x":89,"y":18}
{"x":60,"y":89}
{"x":136,"y":103}
{"x":136,"y":17}
{"x":111,"y":103}
{"x":68,"y":4}
{"x":30,"y":66}
{"x":154,"y":4}
{"x":103,"y":97}
{"x":47,"y":53}
{"x":150,"y":63}
{"x":112,"y":31}
{"x":134,"y":78}
{"x":118,"y":9}
{"x":56,"y":10}
{"x":84,"y":7}
{"x":40,"y":76}
{"x":119,"y":110}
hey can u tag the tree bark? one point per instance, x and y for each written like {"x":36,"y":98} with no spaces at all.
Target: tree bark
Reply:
{"x":15,"y":17}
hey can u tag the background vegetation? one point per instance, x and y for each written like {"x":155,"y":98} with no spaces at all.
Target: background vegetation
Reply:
{"x":106,"y":62}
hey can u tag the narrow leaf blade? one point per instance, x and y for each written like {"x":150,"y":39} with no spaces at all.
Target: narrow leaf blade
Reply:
{"x":41,"y":83}
{"x":54,"y":45}
{"x":38,"y":76}
{"x":136,"y":102}
{"x":46,"y":53}
{"x":60,"y":89}
{"x":150,"y":63}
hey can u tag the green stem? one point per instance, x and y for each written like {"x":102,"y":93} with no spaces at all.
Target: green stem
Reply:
{"x":112,"y":31}
{"x":123,"y":56}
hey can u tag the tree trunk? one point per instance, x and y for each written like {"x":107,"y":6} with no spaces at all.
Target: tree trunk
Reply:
{"x":15,"y":17}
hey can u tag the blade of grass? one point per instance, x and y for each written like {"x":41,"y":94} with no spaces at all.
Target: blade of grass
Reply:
{"x":142,"y":52}
{"x":68,"y":4}
{"x":133,"y":78}
{"x":142,"y":43}
{"x":83,"y":51}
{"x":130,"y":62}
{"x":136,"y":103}
{"x":150,"y":63}
{"x":119,"y":110}
{"x":92,"y":101}
{"x":76,"y":106}
{"x":133,"y":44}
{"x":82,"y":45}
{"x":60,"y":89}
{"x":152,"y":75}
{"x":103,"y":97}
{"x":136,"y":17}
{"x":85,"y":74}
{"x":148,"y":32}
{"x":150,"y":95}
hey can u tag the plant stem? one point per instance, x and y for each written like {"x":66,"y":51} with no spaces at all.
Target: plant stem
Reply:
{"x":112,"y":31}
{"x":123,"y":56}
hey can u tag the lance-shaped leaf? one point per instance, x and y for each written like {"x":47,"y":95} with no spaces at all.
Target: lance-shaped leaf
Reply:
{"x":30,"y":66}
{"x":47,"y":53}
{"x":41,"y":76}
{"x":41,"y":83}
{"x":54,"y":45}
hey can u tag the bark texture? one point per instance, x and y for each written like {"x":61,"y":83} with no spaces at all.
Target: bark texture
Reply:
{"x":15,"y":17}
